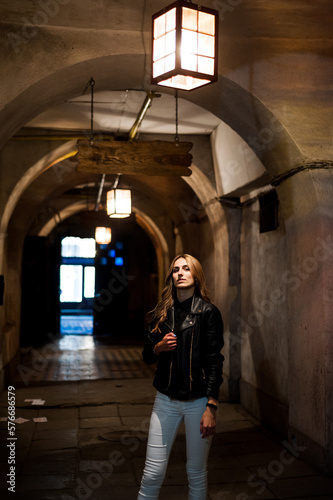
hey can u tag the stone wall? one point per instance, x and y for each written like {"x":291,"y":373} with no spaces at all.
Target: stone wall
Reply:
{"x":286,"y":321}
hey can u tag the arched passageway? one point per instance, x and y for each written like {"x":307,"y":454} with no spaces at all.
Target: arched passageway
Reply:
{"x":271,"y":137}
{"x":52,"y":192}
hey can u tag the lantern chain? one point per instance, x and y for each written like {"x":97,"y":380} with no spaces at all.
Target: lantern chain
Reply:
{"x":116,"y":182}
{"x":92,"y":83}
{"x":177,"y":135}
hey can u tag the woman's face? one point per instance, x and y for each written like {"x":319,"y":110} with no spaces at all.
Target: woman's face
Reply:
{"x":181,"y":275}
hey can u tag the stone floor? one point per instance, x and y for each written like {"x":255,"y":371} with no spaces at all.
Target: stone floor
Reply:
{"x":92,"y":446}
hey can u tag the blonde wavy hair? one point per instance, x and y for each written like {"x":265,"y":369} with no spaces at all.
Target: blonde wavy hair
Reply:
{"x":159,"y":313}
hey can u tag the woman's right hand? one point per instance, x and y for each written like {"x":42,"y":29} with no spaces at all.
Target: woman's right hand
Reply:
{"x":168,"y":343}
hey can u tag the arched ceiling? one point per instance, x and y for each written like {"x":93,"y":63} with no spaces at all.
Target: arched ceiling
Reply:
{"x":116,"y":111}
{"x":278,"y":52}
{"x":161,"y":198}
{"x":275,"y":66}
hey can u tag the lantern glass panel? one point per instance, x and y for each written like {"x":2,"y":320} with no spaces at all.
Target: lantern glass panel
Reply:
{"x":158,"y":68}
{"x":190,"y":19}
{"x":206,"y":23}
{"x":170,"y":20}
{"x":206,"y":46}
{"x":159,"y":48}
{"x":159,"y":26}
{"x":170,"y":62}
{"x":184,"y":82}
{"x":164,"y":65}
{"x":189,"y":62}
{"x":110,"y":202}
{"x":170,"y":42}
{"x":206,"y":65}
{"x":189,"y":42}
{"x":164,"y":45}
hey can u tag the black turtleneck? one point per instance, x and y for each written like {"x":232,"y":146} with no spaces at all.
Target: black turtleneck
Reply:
{"x":181,"y":311}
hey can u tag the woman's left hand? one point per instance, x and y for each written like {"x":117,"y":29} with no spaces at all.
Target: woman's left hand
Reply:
{"x":208,"y":423}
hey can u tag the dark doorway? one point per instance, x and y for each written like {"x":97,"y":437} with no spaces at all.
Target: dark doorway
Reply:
{"x":126,"y":282}
{"x":39,"y":291}
{"x":126,"y":278}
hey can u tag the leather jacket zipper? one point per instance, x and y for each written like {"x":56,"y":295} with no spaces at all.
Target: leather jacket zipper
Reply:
{"x":191,"y":351}
{"x":171,"y":328}
{"x":170,"y":372}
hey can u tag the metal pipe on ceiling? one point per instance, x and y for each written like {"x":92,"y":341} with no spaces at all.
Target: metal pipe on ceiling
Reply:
{"x":99,"y":195}
{"x":142,"y":113}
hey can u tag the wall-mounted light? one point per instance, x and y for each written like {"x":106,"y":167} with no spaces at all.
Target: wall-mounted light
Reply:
{"x":118,"y":203}
{"x":103,"y":235}
{"x":184,"y":46}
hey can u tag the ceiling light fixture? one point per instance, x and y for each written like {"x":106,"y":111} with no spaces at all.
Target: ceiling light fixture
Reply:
{"x":118,"y":202}
{"x":184,"y":46}
{"x":103,"y":235}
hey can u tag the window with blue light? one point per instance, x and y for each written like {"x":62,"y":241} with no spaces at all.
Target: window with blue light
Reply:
{"x":119,"y":245}
{"x":119,"y":261}
{"x":112,"y":253}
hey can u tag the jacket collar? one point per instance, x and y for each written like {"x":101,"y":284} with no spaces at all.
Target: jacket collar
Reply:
{"x":196,"y":309}
{"x":196,"y":306}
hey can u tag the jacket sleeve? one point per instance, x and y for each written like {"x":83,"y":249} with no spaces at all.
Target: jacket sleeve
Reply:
{"x":213,"y":359}
{"x":149,"y":357}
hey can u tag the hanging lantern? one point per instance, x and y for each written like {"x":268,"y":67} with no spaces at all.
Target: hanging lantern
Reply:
{"x":103,"y":235}
{"x":184,"y":52}
{"x":118,"y":203}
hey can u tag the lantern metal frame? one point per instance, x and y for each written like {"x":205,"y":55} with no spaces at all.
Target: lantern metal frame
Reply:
{"x":198,"y":78}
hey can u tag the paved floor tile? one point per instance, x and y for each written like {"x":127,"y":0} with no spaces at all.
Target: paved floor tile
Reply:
{"x":58,"y":424}
{"x":135,"y":410}
{"x":138,"y":422}
{"x":60,"y":414}
{"x":43,"y":482}
{"x":55,"y":434}
{"x":92,"y":423}
{"x":302,"y":486}
{"x":47,"y":494}
{"x":294,"y":468}
{"x":234,"y":475}
{"x":320,"y":497}
{"x":216,"y":461}
{"x":99,"y":411}
{"x":238,"y":491}
{"x":52,"y":444}
{"x":174,"y":492}
{"x":95,"y":438}
{"x":49,"y":467}
{"x":235,"y":426}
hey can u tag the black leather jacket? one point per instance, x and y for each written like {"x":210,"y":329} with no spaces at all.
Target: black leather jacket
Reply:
{"x":194,"y":368}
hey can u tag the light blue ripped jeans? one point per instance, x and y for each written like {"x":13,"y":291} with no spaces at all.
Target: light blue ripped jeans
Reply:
{"x":167,"y":415}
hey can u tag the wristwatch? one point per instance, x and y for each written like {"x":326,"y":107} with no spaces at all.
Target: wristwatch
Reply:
{"x":211,"y":405}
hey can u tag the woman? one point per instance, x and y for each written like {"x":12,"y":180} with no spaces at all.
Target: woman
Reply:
{"x":185,"y":339}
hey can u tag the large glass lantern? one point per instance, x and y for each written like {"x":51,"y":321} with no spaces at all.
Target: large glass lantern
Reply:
{"x":184,"y":46}
{"x":118,"y":203}
{"x":103,"y":235}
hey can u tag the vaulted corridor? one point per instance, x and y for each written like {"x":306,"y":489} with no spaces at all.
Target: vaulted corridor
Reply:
{"x":237,"y":173}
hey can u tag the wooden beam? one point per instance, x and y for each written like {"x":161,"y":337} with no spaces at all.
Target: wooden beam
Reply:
{"x":137,"y":158}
